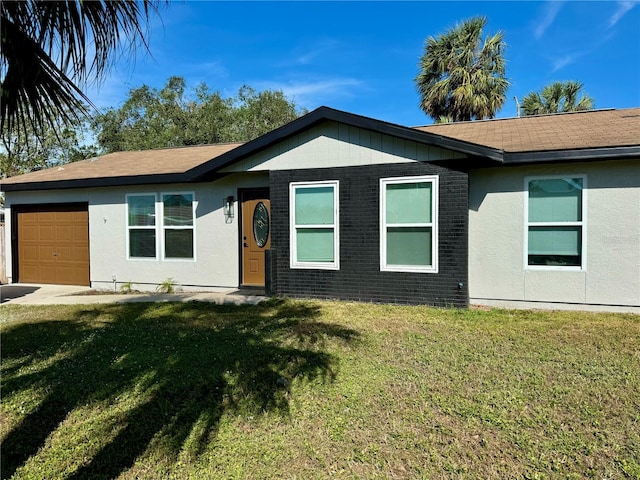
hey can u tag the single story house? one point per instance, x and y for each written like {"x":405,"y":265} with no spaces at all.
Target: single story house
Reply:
{"x":532,"y":210}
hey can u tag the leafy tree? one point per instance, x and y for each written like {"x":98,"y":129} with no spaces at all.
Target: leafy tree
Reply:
{"x":172,"y":117}
{"x":257,"y":113}
{"x":49,"y":50}
{"x":24,"y":150}
{"x":557,"y":97}
{"x":461,"y":76}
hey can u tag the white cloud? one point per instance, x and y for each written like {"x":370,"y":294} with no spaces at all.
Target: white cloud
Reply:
{"x":206,"y":72}
{"x":567,"y":59}
{"x":551,"y":11}
{"x":306,"y":55}
{"x":623,"y":8}
{"x":315,"y":93}
{"x":561,"y":62}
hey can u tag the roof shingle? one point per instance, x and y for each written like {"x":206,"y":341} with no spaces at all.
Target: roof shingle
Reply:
{"x":129,"y":164}
{"x":527,"y":137}
{"x":542,"y":133}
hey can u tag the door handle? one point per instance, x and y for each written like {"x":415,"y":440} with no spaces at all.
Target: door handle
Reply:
{"x":245,"y":244}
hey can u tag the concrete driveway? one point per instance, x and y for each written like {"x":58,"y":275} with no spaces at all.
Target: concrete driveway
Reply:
{"x":36,"y":294}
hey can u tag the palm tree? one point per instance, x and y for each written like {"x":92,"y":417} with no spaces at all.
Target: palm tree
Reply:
{"x":461,"y":76}
{"x":49,"y":49}
{"x":555,"y":98}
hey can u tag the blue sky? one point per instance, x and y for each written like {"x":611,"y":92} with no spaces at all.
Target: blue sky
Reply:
{"x":363,"y":56}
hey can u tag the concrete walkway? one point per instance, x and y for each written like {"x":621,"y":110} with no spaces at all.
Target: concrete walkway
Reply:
{"x":36,"y":294}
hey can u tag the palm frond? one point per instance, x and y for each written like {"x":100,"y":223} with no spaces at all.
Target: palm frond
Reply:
{"x":50,"y":50}
{"x":472,"y":70}
{"x":557,"y":97}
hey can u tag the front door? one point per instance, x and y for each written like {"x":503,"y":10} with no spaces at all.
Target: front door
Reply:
{"x":256,"y":235}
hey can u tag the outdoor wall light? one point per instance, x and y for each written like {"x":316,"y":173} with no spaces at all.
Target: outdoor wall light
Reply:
{"x":228,"y":208}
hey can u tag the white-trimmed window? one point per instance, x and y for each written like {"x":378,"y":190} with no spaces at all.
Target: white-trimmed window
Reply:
{"x":409,"y":224}
{"x":314,"y":225}
{"x":141,"y":226}
{"x":178,"y":225}
{"x":555,"y":222}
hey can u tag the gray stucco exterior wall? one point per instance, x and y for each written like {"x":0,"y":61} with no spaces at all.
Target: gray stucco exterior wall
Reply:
{"x":216,"y":262}
{"x":611,"y":275}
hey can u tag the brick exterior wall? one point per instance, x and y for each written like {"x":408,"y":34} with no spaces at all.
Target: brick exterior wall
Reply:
{"x":359,"y":277}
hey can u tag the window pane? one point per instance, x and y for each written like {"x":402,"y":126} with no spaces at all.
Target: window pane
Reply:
{"x":142,"y":243}
{"x":178,"y":243}
{"x":314,"y":206}
{"x":556,"y":260}
{"x":314,"y":245}
{"x":555,"y":200}
{"x":409,"y":202}
{"x":409,"y":246}
{"x":142,"y":210}
{"x":178,"y":209}
{"x":555,"y":240}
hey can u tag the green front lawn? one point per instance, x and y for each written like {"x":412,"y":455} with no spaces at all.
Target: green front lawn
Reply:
{"x":308,"y":389}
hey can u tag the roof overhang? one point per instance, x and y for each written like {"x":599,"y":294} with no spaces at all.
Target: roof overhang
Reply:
{"x":95,"y":182}
{"x":577,"y":155}
{"x":208,"y":170}
{"x":477,"y":156}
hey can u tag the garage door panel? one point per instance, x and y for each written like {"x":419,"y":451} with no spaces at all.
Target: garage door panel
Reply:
{"x":41,"y":273}
{"x":69,"y":275}
{"x":53,"y":244}
{"x":47,"y":274}
{"x":30,"y":233}
{"x":32,"y":251}
{"x":47,"y":217}
{"x":46,"y":233}
{"x":45,"y":253}
{"x":30,"y":219}
{"x":80,"y":255}
{"x":71,"y":254}
{"x":64,"y":233}
{"x":30,"y":271}
{"x":79,"y":233}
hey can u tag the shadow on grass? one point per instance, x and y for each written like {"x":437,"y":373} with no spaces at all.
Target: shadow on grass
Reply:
{"x":185,"y":364}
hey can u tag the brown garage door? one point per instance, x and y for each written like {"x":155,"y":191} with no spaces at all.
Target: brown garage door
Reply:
{"x":53,"y":244}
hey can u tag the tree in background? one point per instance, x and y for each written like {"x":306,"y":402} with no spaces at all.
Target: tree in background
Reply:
{"x":257,"y":113}
{"x":461,"y":76}
{"x":557,"y":97}
{"x":49,"y":50}
{"x":171,"y":117}
{"x":24,"y":150}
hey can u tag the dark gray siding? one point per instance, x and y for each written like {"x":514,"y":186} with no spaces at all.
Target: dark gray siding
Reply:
{"x":359,"y":277}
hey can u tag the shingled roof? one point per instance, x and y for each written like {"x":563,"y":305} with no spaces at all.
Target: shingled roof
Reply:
{"x":167,"y":164}
{"x":544,"y":133}
{"x":591,"y":135}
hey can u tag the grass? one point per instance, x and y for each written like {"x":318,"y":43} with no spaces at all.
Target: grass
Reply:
{"x":306,"y":389}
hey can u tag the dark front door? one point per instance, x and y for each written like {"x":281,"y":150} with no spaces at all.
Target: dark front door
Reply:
{"x":256,"y":235}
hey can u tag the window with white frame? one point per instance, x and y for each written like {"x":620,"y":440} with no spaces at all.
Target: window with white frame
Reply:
{"x":177,"y":225}
{"x":314,"y":225}
{"x":166,"y":226}
{"x":409,"y":224}
{"x":555,"y":221}
{"x":141,"y":226}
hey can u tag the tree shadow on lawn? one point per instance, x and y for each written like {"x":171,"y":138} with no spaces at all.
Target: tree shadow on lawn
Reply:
{"x":186,"y":365}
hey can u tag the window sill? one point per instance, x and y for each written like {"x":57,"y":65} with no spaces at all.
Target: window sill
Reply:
{"x":409,"y":269}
